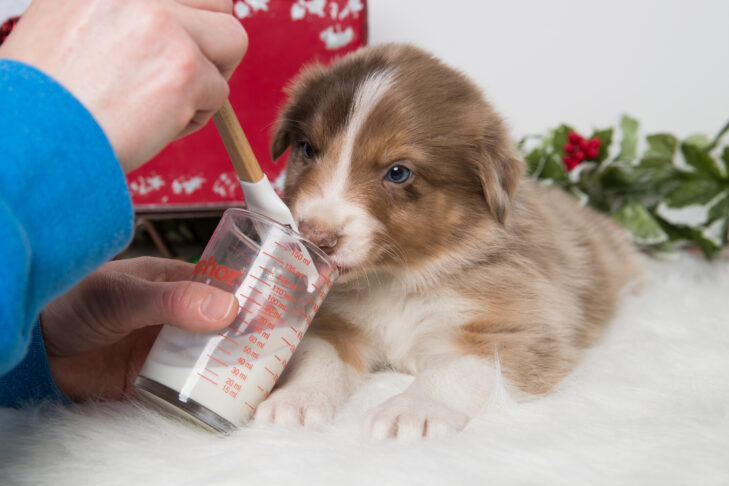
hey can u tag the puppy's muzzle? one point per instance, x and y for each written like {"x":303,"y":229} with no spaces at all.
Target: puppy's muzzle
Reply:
{"x":321,"y":234}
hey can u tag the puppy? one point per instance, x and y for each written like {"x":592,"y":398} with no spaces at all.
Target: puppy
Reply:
{"x":454,"y":267}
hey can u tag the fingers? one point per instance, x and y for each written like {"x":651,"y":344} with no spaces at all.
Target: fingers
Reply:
{"x":151,"y":291}
{"x":225,"y":6}
{"x":211,"y":91}
{"x":187,"y":305}
{"x":152,"y":269}
{"x":219,"y":35}
{"x":222,"y":42}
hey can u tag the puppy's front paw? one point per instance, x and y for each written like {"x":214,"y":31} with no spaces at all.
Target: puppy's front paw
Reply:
{"x":297,"y":407}
{"x":406,"y":418}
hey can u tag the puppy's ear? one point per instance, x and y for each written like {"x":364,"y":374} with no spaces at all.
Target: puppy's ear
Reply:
{"x":281,"y":141}
{"x":303,"y":93}
{"x":500,"y":172}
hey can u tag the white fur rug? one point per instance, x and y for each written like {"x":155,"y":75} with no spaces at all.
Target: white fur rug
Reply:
{"x":648,"y":405}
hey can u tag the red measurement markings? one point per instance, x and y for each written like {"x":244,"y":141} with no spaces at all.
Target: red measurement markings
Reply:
{"x":310,"y":301}
{"x":318,"y":290}
{"x":211,"y":371}
{"x":271,"y":256}
{"x":262,"y":281}
{"x":223,"y":350}
{"x":280,"y":291}
{"x":329,"y":282}
{"x":255,"y":289}
{"x":286,"y":283}
{"x":282,"y":246}
{"x":265,"y":269}
{"x":293,"y":329}
{"x":284,"y":340}
{"x":272,"y":373}
{"x":250,"y":406}
{"x":242,"y":321}
{"x":249,"y":298}
{"x":226,"y":337}
{"x":301,"y":312}
{"x":277,"y":357}
{"x":266,"y":323}
{"x":217,"y":360}
{"x":203,"y":376}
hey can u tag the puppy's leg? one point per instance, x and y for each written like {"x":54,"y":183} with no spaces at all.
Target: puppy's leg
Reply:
{"x":441,"y":400}
{"x":324,"y":372}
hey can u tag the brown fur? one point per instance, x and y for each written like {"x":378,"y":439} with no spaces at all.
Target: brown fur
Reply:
{"x":542,"y":274}
{"x":348,"y":340}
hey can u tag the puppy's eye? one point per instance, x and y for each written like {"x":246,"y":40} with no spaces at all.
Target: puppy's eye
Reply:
{"x":308,"y":150}
{"x":398,"y":174}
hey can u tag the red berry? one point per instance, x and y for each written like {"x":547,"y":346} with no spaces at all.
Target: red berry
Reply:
{"x":584,"y":145}
{"x":574,"y":137}
{"x":567,"y":160}
{"x":595,"y":142}
{"x":579,"y":156}
{"x":569,"y":148}
{"x":592,"y":153}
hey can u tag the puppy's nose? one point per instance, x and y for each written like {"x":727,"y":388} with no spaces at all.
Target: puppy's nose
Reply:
{"x":320,"y":234}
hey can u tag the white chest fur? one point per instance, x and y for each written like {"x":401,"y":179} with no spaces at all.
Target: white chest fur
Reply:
{"x":405,"y":331}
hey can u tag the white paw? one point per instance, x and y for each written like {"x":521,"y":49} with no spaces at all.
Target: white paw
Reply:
{"x":296,"y":407}
{"x":407,"y":418}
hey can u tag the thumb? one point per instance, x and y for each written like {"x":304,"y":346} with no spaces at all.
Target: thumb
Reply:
{"x":193,"y":306}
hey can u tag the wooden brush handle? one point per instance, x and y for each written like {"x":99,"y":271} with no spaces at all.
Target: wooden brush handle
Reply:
{"x":235,"y":141}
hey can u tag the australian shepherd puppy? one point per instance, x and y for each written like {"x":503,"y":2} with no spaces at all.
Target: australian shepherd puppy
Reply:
{"x":454,"y":267}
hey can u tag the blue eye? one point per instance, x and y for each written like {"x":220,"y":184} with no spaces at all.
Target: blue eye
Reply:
{"x":398,"y":174}
{"x":308,"y":150}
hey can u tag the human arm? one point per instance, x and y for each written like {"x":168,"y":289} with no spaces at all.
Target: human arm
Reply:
{"x":64,"y":206}
{"x":148,"y":70}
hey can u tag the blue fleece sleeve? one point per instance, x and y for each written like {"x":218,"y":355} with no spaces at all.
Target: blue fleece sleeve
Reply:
{"x":64,"y":210}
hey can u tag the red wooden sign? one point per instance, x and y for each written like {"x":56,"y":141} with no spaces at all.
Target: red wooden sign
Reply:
{"x":284,"y":35}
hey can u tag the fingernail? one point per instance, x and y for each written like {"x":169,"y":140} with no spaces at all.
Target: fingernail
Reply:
{"x":217,"y":305}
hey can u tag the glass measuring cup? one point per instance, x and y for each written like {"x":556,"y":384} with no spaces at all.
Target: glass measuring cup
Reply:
{"x":218,"y":379}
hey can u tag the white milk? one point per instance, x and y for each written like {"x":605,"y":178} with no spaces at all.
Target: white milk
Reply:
{"x":179,"y":358}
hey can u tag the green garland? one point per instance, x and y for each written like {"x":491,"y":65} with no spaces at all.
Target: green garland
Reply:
{"x":674,"y":194}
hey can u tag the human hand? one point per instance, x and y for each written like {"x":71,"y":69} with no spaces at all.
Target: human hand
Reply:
{"x":149,"y":71}
{"x":98,"y":335}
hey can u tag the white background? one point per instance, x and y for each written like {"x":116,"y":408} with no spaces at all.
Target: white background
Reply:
{"x":666,"y":62}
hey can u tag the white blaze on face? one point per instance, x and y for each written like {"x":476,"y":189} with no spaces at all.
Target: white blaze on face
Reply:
{"x":333,"y":204}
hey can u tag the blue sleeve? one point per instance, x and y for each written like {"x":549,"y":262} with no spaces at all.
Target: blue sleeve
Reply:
{"x":64,"y":210}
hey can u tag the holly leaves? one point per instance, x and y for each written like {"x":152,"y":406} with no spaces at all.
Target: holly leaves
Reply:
{"x":696,"y":157}
{"x":663,"y":190}
{"x":644,"y":228}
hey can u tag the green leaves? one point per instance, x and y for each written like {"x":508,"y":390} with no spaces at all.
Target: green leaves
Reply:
{"x":606,"y":138}
{"x":644,"y":228}
{"x":560,"y":137}
{"x":554,"y":169}
{"x":661,"y":146}
{"x":629,"y":143}
{"x":720,"y":208}
{"x":725,"y":158}
{"x":659,"y":202}
{"x":700,"y":160}
{"x":691,"y":192}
